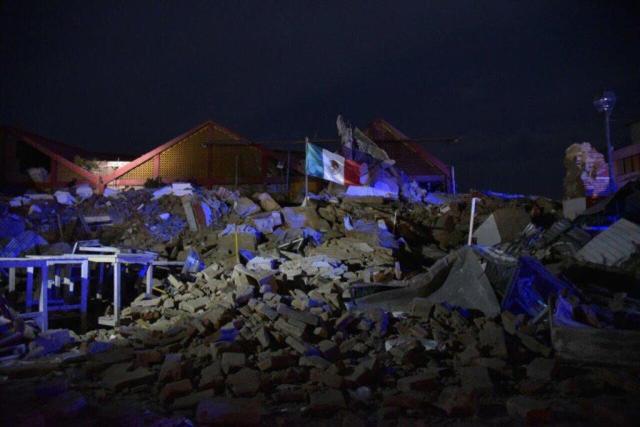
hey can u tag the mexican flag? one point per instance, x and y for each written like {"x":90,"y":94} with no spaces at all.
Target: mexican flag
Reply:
{"x":331,"y":166}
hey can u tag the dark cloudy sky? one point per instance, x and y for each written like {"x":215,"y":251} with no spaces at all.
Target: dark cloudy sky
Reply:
{"x":514,"y":79}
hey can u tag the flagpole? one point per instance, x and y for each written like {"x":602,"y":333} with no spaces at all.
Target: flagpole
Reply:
{"x":306,"y":171}
{"x":453,"y":180}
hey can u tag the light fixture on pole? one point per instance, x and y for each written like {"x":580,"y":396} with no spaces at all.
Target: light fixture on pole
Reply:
{"x":605,"y":105}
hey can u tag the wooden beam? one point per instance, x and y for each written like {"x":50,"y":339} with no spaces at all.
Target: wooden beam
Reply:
{"x":188,"y":212}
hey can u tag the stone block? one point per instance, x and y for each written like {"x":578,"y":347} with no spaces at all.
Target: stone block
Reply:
{"x":244,"y":383}
{"x":177,"y":388}
{"x":211,"y":376}
{"x":231,"y":360}
{"x":194,"y":305}
{"x":172,"y":368}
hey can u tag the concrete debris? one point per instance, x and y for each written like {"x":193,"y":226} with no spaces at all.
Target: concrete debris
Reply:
{"x":245,"y":207}
{"x":354,"y":307}
{"x":468,"y":287}
{"x":64,"y":198}
{"x":266,"y":202}
{"x":502,"y":225}
{"x":84,"y":191}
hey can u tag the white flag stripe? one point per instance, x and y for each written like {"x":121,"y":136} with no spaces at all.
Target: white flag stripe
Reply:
{"x":333,"y":167}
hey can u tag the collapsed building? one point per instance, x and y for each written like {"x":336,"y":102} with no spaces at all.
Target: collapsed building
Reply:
{"x":411,"y":157}
{"x":219,"y":304}
{"x":208,"y":154}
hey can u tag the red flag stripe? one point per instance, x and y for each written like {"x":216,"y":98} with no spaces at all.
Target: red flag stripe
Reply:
{"x":351,"y":172}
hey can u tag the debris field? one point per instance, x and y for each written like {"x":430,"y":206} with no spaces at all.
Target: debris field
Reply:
{"x":345,"y":310}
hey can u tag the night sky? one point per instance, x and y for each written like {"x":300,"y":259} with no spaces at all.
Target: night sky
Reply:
{"x":514,"y":79}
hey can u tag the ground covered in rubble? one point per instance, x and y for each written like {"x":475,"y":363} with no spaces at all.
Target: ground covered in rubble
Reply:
{"x":343,"y":311}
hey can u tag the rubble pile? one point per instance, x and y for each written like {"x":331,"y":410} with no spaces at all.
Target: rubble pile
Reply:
{"x":349,"y":309}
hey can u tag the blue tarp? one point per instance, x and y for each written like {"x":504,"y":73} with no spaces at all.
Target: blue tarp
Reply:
{"x":247,"y":254}
{"x":563,"y":314}
{"x":11,"y":226}
{"x":228,"y":334}
{"x":531,"y":287}
{"x":22,"y":243}
{"x":504,"y":196}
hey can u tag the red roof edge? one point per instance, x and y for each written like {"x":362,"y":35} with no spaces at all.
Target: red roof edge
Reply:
{"x":45,"y":146}
{"x":159,"y":149}
{"x":417,"y":148}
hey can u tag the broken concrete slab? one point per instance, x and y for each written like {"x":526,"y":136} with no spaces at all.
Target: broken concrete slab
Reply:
{"x":574,"y":341}
{"x":467,"y":286}
{"x":501,"y":226}
{"x":266,"y":202}
{"x":245,"y":207}
{"x":304,"y":317}
{"x":193,"y":305}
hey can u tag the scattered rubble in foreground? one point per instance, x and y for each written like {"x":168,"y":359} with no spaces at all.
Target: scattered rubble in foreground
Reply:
{"x":351,"y":310}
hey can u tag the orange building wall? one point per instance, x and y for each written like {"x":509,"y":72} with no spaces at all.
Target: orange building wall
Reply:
{"x":193,"y":158}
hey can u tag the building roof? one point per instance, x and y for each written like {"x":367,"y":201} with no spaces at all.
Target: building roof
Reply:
{"x":613,"y":246}
{"x":67,"y":151}
{"x":409,"y":155}
{"x":63,"y":154}
{"x":233,"y":138}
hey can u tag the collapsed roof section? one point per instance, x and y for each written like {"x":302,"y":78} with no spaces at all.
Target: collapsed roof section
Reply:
{"x":23,"y":151}
{"x":410,"y":156}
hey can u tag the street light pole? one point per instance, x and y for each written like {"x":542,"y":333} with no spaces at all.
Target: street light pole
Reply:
{"x":605,"y":105}
{"x":612,"y":176}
